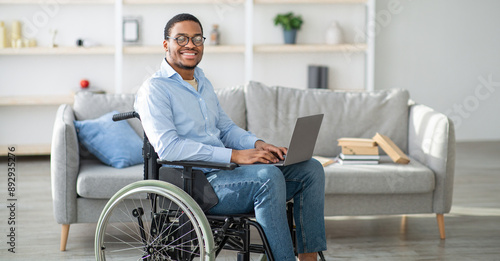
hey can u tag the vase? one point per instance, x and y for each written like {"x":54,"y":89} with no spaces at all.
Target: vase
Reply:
{"x":290,"y":36}
{"x":334,"y":34}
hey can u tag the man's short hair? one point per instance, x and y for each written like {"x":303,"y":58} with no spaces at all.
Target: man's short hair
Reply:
{"x":179,"y":18}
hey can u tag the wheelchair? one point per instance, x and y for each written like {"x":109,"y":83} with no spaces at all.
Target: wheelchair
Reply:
{"x":157,"y":220}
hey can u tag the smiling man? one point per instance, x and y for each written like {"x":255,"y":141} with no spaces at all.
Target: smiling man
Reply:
{"x":183,"y":120}
{"x":180,"y":56}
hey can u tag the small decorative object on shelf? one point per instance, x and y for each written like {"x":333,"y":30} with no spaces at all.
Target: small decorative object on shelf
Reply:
{"x":291,"y":24}
{"x":84,"y":83}
{"x":30,"y":43}
{"x":334,"y":34}
{"x":16,"y":34}
{"x":317,"y":77}
{"x":85,"y":86}
{"x":53,"y":32}
{"x":3,"y":35}
{"x":85,"y":43}
{"x":215,"y":35}
{"x":131,"y":30}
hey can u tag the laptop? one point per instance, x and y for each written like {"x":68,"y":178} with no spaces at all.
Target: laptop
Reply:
{"x":303,"y":140}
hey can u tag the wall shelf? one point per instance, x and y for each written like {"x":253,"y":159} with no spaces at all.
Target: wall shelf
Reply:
{"x":57,"y":50}
{"x":68,"y":2}
{"x":310,"y":1}
{"x":26,"y":149}
{"x":310,"y":48}
{"x":36,"y":100}
{"x":143,"y":2}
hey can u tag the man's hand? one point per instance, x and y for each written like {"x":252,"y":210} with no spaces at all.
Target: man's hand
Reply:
{"x":263,"y":153}
{"x":279,"y":152}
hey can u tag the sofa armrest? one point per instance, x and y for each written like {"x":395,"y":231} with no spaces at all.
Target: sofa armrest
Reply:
{"x":64,"y":165}
{"x":431,"y":141}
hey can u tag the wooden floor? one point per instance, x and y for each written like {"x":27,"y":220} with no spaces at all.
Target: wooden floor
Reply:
{"x":472,"y":227}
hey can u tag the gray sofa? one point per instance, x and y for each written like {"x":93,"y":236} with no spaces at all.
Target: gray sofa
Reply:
{"x":81,"y":185}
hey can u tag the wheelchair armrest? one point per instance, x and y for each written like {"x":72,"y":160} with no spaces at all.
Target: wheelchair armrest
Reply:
{"x":200,"y":164}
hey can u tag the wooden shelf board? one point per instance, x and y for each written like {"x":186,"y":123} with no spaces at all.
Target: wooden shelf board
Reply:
{"x":224,"y":49}
{"x":159,"y":49}
{"x":66,"y":2}
{"x":143,"y":49}
{"x":287,"y":48}
{"x":36,"y":100}
{"x":26,"y":150}
{"x":142,"y":2}
{"x":57,"y":50}
{"x":310,"y":1}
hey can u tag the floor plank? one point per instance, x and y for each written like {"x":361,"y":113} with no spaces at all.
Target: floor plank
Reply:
{"x":472,"y":227}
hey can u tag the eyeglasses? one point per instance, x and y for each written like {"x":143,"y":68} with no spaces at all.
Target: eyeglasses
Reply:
{"x":184,"y":40}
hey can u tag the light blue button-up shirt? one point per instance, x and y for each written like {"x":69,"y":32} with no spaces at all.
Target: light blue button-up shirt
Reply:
{"x":184,"y":124}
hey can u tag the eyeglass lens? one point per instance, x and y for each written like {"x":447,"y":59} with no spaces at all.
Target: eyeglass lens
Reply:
{"x":183,"y":40}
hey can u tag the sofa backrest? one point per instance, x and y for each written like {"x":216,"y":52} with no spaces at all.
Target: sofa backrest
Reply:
{"x":232,"y":101}
{"x":272,"y":112}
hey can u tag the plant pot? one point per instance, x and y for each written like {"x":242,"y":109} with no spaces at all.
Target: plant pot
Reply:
{"x":290,"y":36}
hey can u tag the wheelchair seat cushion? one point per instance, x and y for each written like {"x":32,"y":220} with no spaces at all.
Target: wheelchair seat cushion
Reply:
{"x":202,"y":193}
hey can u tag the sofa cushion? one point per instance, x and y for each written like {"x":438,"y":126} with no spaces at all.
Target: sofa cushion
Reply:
{"x":114,"y":143}
{"x":89,"y":105}
{"x":99,"y":181}
{"x":272,"y":111}
{"x":384,"y":178}
{"x":232,"y":101}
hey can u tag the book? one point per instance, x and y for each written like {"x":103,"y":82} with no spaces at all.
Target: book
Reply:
{"x":391,"y":149}
{"x":317,"y":77}
{"x":356,"y":142}
{"x":359,"y":157}
{"x":324,"y":160}
{"x":357,"y":150}
{"x":357,"y":162}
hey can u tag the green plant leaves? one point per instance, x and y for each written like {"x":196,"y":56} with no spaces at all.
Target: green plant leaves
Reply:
{"x":289,"y":21}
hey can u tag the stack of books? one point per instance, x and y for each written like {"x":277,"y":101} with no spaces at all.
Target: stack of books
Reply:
{"x":358,"y":151}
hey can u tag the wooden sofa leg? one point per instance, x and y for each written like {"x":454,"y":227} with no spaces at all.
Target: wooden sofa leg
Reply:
{"x":440,"y":220}
{"x":64,"y":236}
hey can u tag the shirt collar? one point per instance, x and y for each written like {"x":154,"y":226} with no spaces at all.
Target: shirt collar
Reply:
{"x":168,"y":71}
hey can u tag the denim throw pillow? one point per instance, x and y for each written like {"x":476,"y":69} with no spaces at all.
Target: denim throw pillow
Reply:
{"x":114,"y":143}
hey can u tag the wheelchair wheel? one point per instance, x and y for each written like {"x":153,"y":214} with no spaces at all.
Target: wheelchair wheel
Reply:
{"x":153,"y":220}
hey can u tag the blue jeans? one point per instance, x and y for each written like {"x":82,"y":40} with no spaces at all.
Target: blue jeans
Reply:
{"x":265,"y":189}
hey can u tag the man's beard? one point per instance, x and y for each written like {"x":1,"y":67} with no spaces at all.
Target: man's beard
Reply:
{"x":182,"y":66}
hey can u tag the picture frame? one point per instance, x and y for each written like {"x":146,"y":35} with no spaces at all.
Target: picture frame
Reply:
{"x":131,"y":30}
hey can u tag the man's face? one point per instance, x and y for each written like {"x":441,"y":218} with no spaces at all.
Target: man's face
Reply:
{"x":183,"y":57}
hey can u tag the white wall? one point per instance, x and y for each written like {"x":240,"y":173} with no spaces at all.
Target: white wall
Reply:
{"x":440,"y":50}
{"x":447,"y":54}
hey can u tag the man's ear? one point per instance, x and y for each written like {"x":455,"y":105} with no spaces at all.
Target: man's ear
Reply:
{"x":165,"y":45}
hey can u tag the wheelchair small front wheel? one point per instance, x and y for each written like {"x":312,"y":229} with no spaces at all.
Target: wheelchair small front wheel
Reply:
{"x":153,"y":220}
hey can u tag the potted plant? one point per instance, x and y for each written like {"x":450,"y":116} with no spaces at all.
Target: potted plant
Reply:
{"x":291,"y":24}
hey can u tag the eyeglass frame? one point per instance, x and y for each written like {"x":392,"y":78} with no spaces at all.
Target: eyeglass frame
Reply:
{"x":188,"y":39}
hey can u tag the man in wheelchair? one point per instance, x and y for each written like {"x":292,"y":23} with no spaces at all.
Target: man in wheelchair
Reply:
{"x":183,"y":120}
